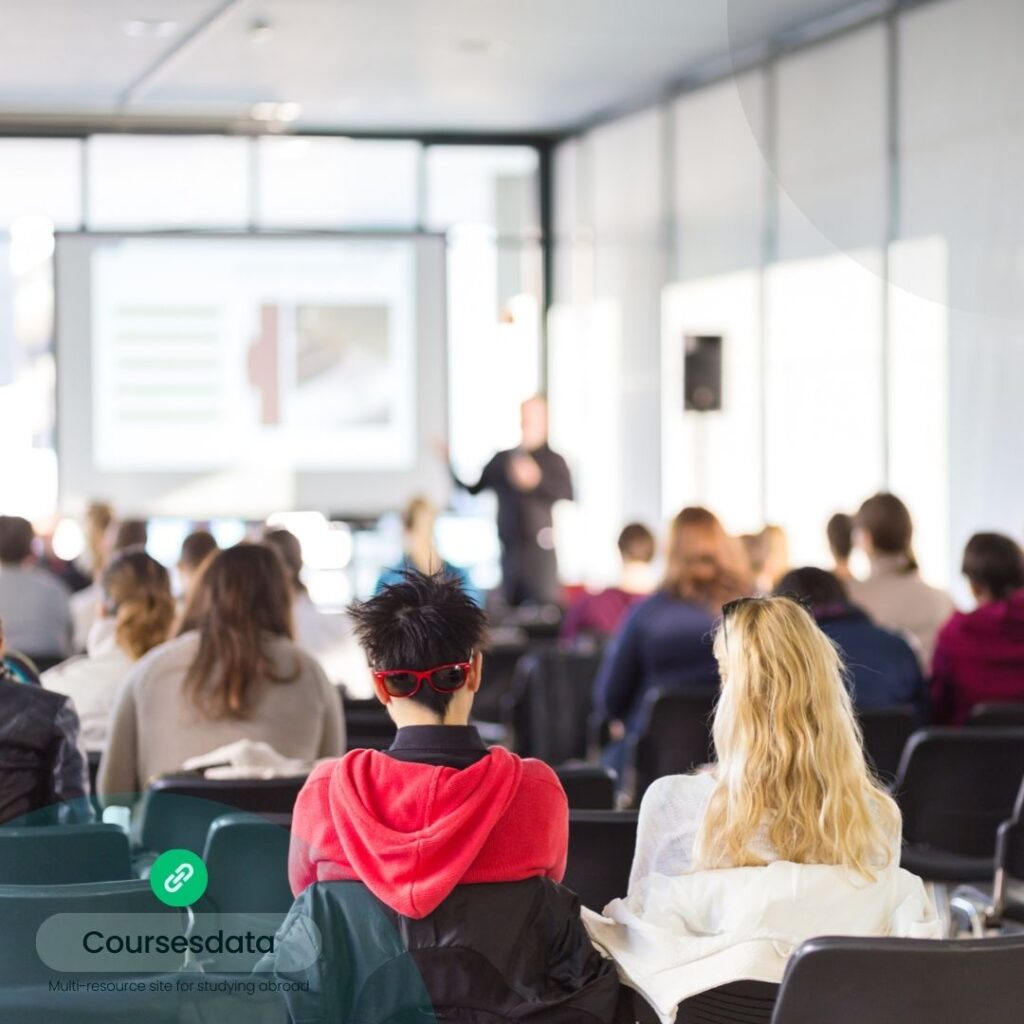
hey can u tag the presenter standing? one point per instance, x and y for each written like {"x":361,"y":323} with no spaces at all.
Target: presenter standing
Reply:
{"x":527,"y":481}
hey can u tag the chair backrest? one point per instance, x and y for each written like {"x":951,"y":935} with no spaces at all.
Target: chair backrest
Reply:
{"x":178,"y":809}
{"x":246,"y":857}
{"x":24,"y":909}
{"x":601,"y":845}
{"x":955,"y":787}
{"x":553,"y":691}
{"x":500,"y":660}
{"x":886,"y":731}
{"x":367,"y":724}
{"x":589,"y":787}
{"x":903,"y":981}
{"x":739,"y":1002}
{"x":63,"y":855}
{"x":674,"y":737}
{"x":997,"y":714}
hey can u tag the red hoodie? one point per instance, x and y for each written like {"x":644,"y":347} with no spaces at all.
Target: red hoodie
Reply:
{"x":979,"y":656}
{"x":412,"y":832}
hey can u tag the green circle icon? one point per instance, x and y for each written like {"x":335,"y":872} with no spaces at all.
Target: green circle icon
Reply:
{"x":178,"y":878}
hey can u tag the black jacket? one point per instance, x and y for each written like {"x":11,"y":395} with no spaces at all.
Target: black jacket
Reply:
{"x":40,"y":764}
{"x":508,"y":951}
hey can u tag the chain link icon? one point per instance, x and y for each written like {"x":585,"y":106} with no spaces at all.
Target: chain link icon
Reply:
{"x":181,"y":875}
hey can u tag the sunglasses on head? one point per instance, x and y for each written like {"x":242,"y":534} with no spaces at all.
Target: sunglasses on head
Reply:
{"x":407,"y":682}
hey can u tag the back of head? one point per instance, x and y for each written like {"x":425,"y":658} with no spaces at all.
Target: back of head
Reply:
{"x":705,"y":565}
{"x":790,"y":762}
{"x":839,"y":531}
{"x":241,"y":600}
{"x":994,"y":565}
{"x":419,"y":514}
{"x":420,"y":623}
{"x":196,"y":548}
{"x":816,"y":588}
{"x":886,"y":521}
{"x":137,"y":591}
{"x":16,"y":537}
{"x":99,"y":517}
{"x":131,"y":533}
{"x":636,"y":543}
{"x":286,"y":546}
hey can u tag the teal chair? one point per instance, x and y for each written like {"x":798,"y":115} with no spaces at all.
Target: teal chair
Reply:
{"x":246,"y":857}
{"x":63,"y":855}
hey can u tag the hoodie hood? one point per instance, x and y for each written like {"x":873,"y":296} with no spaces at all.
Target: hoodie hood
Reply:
{"x":998,"y":620}
{"x":410,"y":837}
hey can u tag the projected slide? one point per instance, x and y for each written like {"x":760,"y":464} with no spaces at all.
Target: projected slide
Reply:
{"x":206,"y":354}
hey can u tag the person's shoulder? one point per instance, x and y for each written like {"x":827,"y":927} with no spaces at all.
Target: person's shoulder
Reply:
{"x":169,"y":657}
{"x":66,"y":672}
{"x":679,"y":790}
{"x":45,"y":581}
{"x":539,"y":774}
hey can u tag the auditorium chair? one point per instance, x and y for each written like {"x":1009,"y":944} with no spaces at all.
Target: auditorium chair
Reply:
{"x":246,"y":857}
{"x":955,"y":788}
{"x":903,"y":981}
{"x":1001,"y":714}
{"x":588,"y":787}
{"x":63,"y":855}
{"x":550,"y":702}
{"x":674,"y":738}
{"x":178,"y":810}
{"x":886,"y":731}
{"x":368,"y":726}
{"x":601,"y":845}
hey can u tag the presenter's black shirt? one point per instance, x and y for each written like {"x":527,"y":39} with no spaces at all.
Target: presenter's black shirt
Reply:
{"x":522,"y":515}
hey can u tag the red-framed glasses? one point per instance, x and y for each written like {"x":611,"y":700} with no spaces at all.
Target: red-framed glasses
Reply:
{"x":407,"y":682}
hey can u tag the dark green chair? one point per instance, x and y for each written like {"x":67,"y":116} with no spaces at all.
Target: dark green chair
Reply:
{"x":63,"y":855}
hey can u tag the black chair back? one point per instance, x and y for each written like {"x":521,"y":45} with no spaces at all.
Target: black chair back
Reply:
{"x":178,"y":809}
{"x":500,"y":660}
{"x":601,"y":845}
{"x":588,"y":787}
{"x":367,"y":724}
{"x":63,"y":855}
{"x":551,"y":701}
{"x":739,"y":1002}
{"x":902,"y":981}
{"x":886,"y":731}
{"x":957,"y":786}
{"x":997,"y":714}
{"x":674,"y":738}
{"x":246,"y":857}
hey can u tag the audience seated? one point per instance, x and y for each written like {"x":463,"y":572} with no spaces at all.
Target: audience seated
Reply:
{"x":438,"y":809}
{"x":788,"y":837}
{"x":979,"y":655}
{"x":136,"y":614}
{"x":663,"y":642}
{"x":33,"y":603}
{"x":894,"y":595}
{"x":129,"y":533}
{"x":420,"y":552}
{"x":40,"y":763}
{"x":768,"y":553}
{"x":329,"y":638}
{"x":597,"y":616}
{"x":840,"y":543}
{"x":196,"y":549}
{"x":97,"y":533}
{"x":233,"y":674}
{"x":881,"y":667}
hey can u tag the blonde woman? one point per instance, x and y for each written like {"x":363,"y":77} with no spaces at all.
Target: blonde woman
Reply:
{"x":787,"y":837}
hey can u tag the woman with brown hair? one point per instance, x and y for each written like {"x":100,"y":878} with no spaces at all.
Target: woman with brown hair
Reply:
{"x":234,"y":673}
{"x":135,"y":615}
{"x":664,"y":642}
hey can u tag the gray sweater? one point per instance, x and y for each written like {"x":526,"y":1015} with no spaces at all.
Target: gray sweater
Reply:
{"x":155,"y":727}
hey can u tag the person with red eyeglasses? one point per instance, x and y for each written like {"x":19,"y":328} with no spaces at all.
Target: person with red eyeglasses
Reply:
{"x":438,"y":808}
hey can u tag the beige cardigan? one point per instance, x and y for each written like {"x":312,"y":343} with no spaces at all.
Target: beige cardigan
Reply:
{"x":155,"y":728}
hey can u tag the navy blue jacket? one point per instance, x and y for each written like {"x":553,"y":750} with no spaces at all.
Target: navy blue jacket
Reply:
{"x":884,"y":669}
{"x":662,"y":643}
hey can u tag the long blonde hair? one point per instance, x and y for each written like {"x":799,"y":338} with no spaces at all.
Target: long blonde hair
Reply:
{"x":791,"y":767}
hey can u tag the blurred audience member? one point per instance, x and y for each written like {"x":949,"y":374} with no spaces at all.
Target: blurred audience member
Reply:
{"x":768,"y":555}
{"x":329,"y":638}
{"x":119,"y":536}
{"x":33,"y":602}
{"x":894,"y":595}
{"x":97,"y":526}
{"x":979,"y":655}
{"x":236,"y":675}
{"x":597,"y":616}
{"x":664,"y":641}
{"x":839,"y":531}
{"x":790,"y":836}
{"x":527,"y":481}
{"x":420,"y":552}
{"x":136,"y":614}
{"x":40,"y":762}
{"x":881,"y":667}
{"x":196,"y":548}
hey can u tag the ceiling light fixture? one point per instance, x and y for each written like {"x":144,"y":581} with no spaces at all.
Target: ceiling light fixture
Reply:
{"x":260,"y":30}
{"x":153,"y":28}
